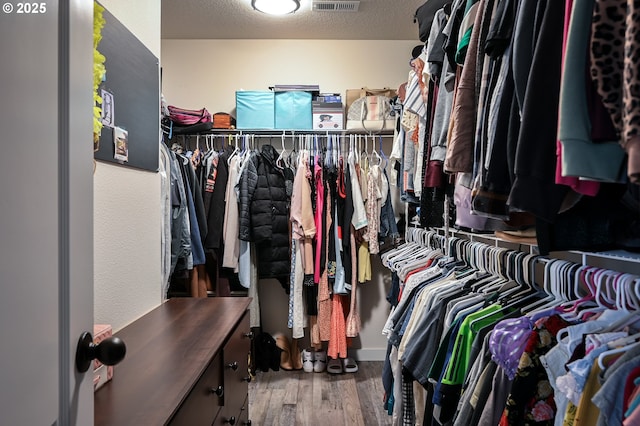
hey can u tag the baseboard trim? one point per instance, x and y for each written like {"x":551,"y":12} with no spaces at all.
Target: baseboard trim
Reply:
{"x":370,"y":354}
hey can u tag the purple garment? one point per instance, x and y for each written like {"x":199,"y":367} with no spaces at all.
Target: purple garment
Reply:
{"x":507,"y":343}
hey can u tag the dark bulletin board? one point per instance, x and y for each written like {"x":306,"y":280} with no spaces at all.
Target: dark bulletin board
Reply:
{"x":133,"y":78}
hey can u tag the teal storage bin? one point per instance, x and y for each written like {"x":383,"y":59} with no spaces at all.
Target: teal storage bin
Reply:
{"x":293,"y":110}
{"x":255,"y":109}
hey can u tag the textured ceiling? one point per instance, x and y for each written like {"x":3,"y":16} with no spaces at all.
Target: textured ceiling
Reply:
{"x":235,"y":19}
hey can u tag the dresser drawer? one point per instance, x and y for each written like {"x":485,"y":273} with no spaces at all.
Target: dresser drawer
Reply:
{"x":202,"y":404}
{"x":244,"y":414}
{"x":175,"y":364}
{"x":239,"y":418}
{"x":236,"y":371}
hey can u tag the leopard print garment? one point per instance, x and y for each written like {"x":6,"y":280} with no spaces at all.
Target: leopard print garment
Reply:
{"x":631,"y":74}
{"x":607,"y":55}
{"x":615,"y":69}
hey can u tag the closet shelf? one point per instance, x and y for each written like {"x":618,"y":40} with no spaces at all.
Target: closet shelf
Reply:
{"x":491,"y":239}
{"x":276,"y":133}
{"x":618,"y":260}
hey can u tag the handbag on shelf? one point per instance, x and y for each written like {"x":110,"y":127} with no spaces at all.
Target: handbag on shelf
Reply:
{"x":188,"y":117}
{"x":371,"y":114}
{"x":355,"y":94}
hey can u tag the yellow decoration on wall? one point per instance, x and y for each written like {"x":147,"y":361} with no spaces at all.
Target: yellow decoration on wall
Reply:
{"x":99,"y":72}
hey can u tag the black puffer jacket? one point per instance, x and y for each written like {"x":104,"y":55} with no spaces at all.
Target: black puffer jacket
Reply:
{"x":264,"y":213}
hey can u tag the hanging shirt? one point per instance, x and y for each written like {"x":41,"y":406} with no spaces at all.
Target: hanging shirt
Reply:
{"x":231,"y":223}
{"x":302,"y":219}
{"x":359,"y":218}
{"x":319,"y":215}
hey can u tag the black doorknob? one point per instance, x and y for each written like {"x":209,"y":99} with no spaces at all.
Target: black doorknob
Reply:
{"x":110,"y":351}
{"x":231,"y":420}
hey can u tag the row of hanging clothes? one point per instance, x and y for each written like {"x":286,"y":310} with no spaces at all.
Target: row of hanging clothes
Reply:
{"x":521,"y":112}
{"x":309,"y":217}
{"x":482,"y":335}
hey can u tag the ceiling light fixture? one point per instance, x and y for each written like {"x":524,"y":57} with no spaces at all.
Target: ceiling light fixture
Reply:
{"x":276,"y":7}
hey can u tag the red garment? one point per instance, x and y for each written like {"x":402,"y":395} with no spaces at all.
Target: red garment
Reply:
{"x":422,"y":268}
{"x":338,"y":342}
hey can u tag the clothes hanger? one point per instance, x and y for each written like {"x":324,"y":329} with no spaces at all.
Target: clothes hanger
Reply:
{"x":581,"y":283}
{"x":196,"y":154}
{"x":632,"y":300}
{"x":513,"y":272}
{"x":471,"y":251}
{"x":509,"y":287}
{"x":364,"y":154}
{"x":235,"y":149}
{"x":538,"y":295}
{"x":624,"y":341}
{"x":328,"y":156}
{"x":280,"y":161}
{"x":607,"y":290}
{"x":400,"y":255}
{"x":401,"y":250}
{"x":629,"y":318}
{"x":603,"y":297}
{"x":597,"y":305}
{"x":411,"y":253}
{"x":635,"y":284}
{"x":412,"y":247}
{"x":549,"y":299}
{"x":502,"y":286}
{"x":375,"y":158}
{"x":614,"y":351}
{"x":571,"y":288}
{"x":419,"y":261}
{"x":501,"y":265}
{"x":624,"y":296}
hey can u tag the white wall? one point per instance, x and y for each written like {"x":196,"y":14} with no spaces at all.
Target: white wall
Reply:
{"x":127,"y":209}
{"x":197,"y":73}
{"x":207,"y":73}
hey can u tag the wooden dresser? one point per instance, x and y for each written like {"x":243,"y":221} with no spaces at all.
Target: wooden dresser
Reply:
{"x":186,"y":364}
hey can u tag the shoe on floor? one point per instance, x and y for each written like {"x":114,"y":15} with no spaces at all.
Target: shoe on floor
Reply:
{"x":334,"y":366}
{"x":296,"y":356}
{"x":308,"y":358}
{"x":320,"y":363}
{"x":285,"y":357}
{"x":350,"y":365}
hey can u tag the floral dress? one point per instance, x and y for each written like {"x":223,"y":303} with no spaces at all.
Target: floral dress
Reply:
{"x":531,"y":399}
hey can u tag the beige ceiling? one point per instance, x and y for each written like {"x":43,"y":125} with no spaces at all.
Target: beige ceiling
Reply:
{"x":235,"y":19}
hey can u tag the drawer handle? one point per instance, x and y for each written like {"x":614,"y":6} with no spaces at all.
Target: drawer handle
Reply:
{"x":247,"y":423}
{"x":231,"y":420}
{"x":247,"y":379}
{"x":248,"y":335}
{"x":233,"y":365}
{"x":219,"y":391}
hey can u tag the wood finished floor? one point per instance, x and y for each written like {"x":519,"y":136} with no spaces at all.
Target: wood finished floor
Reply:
{"x":283,"y":398}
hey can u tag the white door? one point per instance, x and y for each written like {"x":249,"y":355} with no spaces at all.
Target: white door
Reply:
{"x":46,"y":203}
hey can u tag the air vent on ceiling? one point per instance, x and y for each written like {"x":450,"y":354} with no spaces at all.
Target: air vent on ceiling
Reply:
{"x":335,"y":6}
